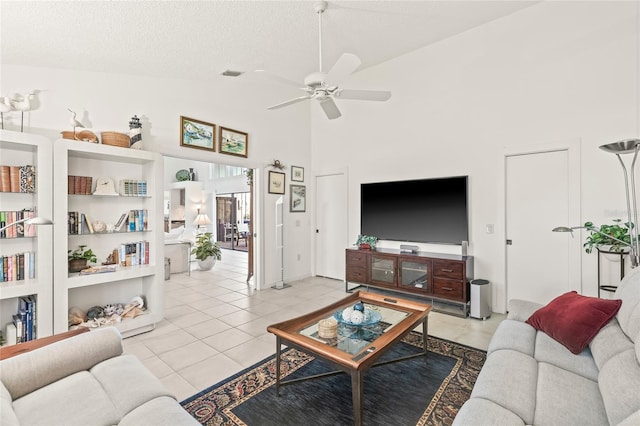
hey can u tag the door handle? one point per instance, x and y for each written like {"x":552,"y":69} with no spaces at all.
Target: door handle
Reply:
{"x":317,"y":231}
{"x":509,"y":242}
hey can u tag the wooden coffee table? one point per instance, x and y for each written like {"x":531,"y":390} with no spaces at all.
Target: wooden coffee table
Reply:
{"x":355,"y":349}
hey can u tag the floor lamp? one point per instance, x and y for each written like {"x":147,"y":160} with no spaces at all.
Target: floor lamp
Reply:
{"x":626,"y":146}
{"x":629,"y":146}
{"x":29,"y":221}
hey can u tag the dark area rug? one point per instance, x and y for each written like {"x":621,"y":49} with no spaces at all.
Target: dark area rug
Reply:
{"x":411,"y":392}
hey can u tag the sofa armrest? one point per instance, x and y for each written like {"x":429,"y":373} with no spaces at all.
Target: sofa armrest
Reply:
{"x":20,"y":348}
{"x":30,"y":371}
{"x":521,"y":310}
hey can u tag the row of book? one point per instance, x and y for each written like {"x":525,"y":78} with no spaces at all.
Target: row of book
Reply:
{"x":133,"y":188}
{"x":134,"y":254}
{"x":18,"y":267}
{"x":18,"y":230}
{"x":17,"y":178}
{"x":23,"y":327}
{"x":79,"y":185}
{"x":133,"y":221}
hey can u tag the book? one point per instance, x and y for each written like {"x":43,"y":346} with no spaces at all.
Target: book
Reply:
{"x":10,"y":334}
{"x":14,"y":178}
{"x":5,"y":179}
{"x":27,"y":178}
{"x":77,"y":184}
{"x":98,"y":270}
{"x":88,"y":223}
{"x":71,"y":184}
{"x":89,"y":185}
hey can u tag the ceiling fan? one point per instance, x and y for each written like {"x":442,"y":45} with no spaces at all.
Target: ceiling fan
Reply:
{"x":324,"y":86}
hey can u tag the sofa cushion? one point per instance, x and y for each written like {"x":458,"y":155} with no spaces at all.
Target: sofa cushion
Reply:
{"x":574,"y":320}
{"x":509,"y":378}
{"x":478,"y":411}
{"x":550,"y":351}
{"x":7,"y":415}
{"x":128,"y":383}
{"x":565,"y":398}
{"x":32,"y":370}
{"x":619,"y":382}
{"x":609,"y":342}
{"x":77,"y":399}
{"x":163,"y":411}
{"x":514,"y":335}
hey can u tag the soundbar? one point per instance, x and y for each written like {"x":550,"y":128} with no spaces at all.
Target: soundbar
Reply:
{"x":404,"y":248}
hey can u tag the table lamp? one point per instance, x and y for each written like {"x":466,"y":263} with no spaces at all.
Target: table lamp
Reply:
{"x":201,"y":220}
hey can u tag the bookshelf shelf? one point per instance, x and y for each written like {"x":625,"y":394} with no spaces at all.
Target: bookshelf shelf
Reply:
{"x":19,"y":149}
{"x":84,"y":291}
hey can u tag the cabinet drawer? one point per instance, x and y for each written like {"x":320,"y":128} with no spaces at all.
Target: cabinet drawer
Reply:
{"x":448,"y":269}
{"x":355,"y":258}
{"x":357,"y":275}
{"x":448,"y":288}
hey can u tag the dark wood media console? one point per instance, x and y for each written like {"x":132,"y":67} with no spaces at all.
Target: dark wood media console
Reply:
{"x":439,"y":277}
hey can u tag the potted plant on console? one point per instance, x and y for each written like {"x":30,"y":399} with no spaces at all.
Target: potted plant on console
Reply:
{"x":206,"y":251}
{"x":79,"y":258}
{"x":613,"y":238}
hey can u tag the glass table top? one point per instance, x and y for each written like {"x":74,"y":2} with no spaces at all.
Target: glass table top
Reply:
{"x":352,"y":338}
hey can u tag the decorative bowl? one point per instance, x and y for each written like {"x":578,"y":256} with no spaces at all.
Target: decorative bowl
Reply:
{"x":374,"y":318}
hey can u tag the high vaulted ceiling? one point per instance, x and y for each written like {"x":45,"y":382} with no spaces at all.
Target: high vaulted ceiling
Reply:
{"x":200,"y":39}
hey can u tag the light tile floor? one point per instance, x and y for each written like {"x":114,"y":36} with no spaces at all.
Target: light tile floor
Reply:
{"x":215,"y":325}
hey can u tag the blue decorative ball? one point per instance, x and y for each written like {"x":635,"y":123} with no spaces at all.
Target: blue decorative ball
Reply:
{"x":358,"y":307}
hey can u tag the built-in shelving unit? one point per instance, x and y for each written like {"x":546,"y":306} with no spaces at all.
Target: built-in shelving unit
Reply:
{"x":127,"y":282}
{"x":26,"y":149}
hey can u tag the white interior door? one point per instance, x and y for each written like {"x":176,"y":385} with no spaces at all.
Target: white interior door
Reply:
{"x":331,"y":225}
{"x":538,"y":199}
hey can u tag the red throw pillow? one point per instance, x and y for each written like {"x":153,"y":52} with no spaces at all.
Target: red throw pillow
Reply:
{"x":573,"y":320}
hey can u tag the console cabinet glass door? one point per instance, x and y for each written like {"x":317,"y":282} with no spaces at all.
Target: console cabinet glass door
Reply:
{"x":383,"y":270}
{"x":414,"y":275}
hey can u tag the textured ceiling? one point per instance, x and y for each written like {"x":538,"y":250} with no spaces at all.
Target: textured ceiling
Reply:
{"x":200,"y":39}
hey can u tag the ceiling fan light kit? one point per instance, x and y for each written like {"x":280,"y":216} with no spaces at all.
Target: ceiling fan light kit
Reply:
{"x":324,"y":86}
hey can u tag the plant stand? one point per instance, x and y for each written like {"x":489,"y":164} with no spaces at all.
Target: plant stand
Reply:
{"x":610,"y":288}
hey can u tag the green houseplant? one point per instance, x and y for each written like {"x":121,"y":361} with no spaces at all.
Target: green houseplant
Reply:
{"x":79,"y":258}
{"x":206,"y":251}
{"x":615,"y":237}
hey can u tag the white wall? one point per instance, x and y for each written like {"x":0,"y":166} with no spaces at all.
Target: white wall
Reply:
{"x":108,"y":101}
{"x":553,"y":72}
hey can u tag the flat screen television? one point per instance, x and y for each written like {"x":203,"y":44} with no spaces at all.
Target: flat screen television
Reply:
{"x":425,"y":210}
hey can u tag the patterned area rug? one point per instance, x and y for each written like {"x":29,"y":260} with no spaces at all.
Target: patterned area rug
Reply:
{"x":411,"y":392}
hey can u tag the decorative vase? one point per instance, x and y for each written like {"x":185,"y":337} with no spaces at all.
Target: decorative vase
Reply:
{"x":77,"y":265}
{"x":207,"y":264}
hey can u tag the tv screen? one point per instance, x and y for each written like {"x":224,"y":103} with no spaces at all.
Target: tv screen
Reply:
{"x":425,"y":210}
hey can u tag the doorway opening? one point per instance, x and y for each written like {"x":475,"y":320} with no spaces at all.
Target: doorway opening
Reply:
{"x":192,"y":189}
{"x":234,"y":218}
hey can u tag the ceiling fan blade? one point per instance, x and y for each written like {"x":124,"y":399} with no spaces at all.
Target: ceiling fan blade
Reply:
{"x":289,"y":102}
{"x":346,"y":64}
{"x":273,"y":77}
{"x":363,"y":95}
{"x":330,"y":108}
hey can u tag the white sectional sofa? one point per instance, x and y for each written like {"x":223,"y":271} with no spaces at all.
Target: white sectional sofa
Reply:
{"x":531,"y":379}
{"x":84,"y":380}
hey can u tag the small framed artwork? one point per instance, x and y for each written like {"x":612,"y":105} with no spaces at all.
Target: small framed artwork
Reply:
{"x":297,"y":174}
{"x":197,"y":134}
{"x":276,"y":182}
{"x":298,"y":198}
{"x":233,"y":142}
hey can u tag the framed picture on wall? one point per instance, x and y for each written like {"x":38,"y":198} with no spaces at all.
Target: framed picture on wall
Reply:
{"x":298,"y":198}
{"x":297,"y":174}
{"x":276,"y":182}
{"x":197,"y":134}
{"x":233,"y":142}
